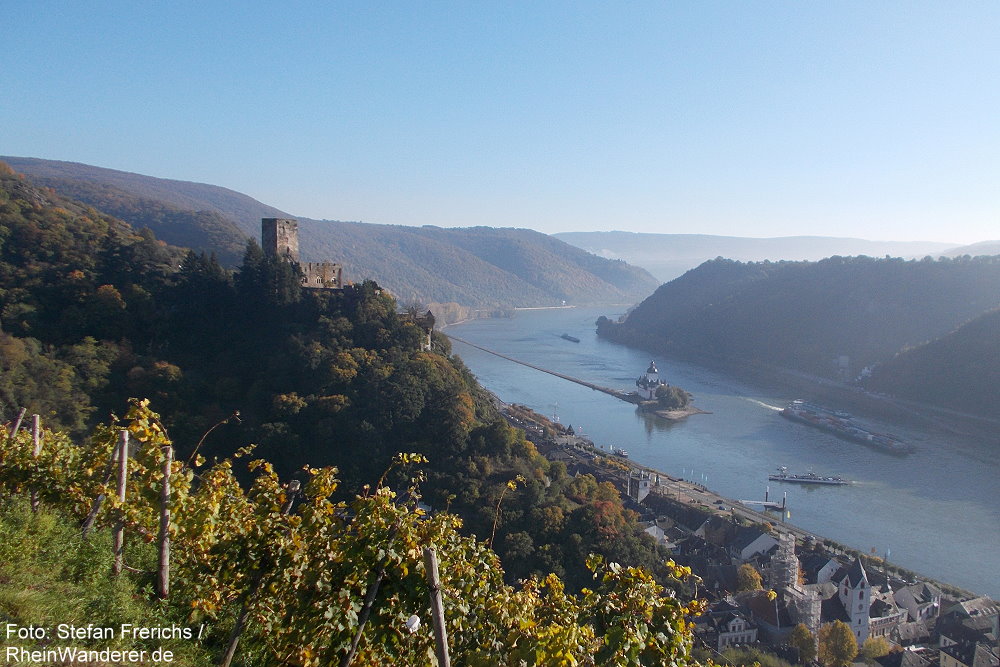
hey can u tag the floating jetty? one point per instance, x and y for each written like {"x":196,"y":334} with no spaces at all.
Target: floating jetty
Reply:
{"x":768,"y":504}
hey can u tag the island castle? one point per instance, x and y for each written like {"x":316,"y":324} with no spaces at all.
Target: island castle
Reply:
{"x":280,"y":238}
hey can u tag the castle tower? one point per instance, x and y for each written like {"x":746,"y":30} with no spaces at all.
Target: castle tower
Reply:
{"x":651,"y":373}
{"x":649,"y":382}
{"x":280,"y":238}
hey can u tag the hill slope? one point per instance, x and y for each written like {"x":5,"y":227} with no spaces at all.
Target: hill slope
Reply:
{"x":960,"y":370}
{"x":92,"y":312}
{"x":805,"y":315}
{"x":667,"y":256}
{"x":477,"y":267}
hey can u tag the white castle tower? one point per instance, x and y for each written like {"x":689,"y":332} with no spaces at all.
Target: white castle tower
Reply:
{"x":649,"y":382}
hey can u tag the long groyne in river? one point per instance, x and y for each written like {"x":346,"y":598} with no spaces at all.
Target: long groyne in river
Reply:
{"x":628,"y":398}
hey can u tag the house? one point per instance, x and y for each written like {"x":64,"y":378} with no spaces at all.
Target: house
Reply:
{"x":981,"y":611}
{"x":750,"y":541}
{"x":903,"y":659}
{"x":733,"y":630}
{"x":884,"y":615}
{"x":819,"y":568}
{"x":911,"y":633}
{"x":770,"y":616}
{"x":922,"y":601}
{"x":975,"y":654}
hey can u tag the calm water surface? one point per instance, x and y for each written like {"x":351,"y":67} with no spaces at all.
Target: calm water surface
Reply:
{"x":937,"y":510}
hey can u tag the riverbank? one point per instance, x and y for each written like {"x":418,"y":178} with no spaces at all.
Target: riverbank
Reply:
{"x":935,"y":508}
{"x":685,"y":496}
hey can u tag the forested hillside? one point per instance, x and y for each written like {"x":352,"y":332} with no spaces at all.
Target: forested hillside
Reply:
{"x":93,"y":313}
{"x":806,"y":315}
{"x":478,"y":268}
{"x":960,"y":370}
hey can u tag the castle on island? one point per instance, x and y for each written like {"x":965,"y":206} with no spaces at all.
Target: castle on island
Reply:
{"x":648,"y":383}
{"x":280,"y":238}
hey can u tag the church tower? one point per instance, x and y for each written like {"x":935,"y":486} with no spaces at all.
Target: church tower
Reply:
{"x":855,"y":594}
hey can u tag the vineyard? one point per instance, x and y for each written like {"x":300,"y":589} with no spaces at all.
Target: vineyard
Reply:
{"x":278,"y":573}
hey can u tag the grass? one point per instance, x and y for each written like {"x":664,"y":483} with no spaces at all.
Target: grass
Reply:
{"x":50,"y":575}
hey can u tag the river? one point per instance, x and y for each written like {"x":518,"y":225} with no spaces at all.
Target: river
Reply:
{"x":936,"y":511}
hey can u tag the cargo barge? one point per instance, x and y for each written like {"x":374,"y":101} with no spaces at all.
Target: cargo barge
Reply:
{"x":843,"y":425}
{"x":808,"y":478}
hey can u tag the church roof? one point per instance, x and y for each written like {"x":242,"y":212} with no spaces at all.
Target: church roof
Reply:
{"x":854,"y":573}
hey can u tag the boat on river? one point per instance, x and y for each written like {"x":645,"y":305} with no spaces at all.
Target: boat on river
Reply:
{"x":843,"y":425}
{"x":808,"y":478}
{"x":618,"y":451}
{"x":572,"y":339}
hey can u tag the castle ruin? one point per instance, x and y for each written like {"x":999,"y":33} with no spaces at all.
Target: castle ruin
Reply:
{"x":280,"y":239}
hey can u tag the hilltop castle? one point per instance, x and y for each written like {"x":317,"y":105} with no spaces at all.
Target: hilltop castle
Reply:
{"x":280,"y":238}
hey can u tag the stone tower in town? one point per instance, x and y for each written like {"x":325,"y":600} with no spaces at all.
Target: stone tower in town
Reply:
{"x":803,"y":602}
{"x":279,"y":237}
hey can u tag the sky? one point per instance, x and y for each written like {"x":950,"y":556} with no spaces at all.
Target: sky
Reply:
{"x":877,"y":120}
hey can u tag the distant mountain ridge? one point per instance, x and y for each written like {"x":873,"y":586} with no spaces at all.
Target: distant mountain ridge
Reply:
{"x":668,"y":256}
{"x":477,"y":267}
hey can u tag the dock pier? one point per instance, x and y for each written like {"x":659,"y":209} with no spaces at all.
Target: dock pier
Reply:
{"x":768,"y":504}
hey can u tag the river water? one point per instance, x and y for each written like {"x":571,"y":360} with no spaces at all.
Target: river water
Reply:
{"x":936,"y":511}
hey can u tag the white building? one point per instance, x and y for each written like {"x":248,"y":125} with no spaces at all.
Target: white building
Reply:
{"x":649,"y":383}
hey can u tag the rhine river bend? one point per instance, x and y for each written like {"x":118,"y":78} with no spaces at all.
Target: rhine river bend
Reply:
{"x":937,"y":511}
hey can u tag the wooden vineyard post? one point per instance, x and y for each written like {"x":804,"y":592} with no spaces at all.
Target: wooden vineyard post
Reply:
{"x":96,"y":505}
{"x":437,"y":608}
{"x":163,"y":561}
{"x":241,"y":620}
{"x":36,"y":439}
{"x":17,"y":423}
{"x":118,"y":536}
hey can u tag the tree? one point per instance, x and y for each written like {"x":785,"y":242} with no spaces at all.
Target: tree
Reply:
{"x":748,"y":579}
{"x":672,"y":398}
{"x":804,"y":642}
{"x":874,"y":647}
{"x":837,"y":644}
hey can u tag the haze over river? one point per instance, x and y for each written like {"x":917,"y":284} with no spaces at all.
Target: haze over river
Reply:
{"x":936,"y":510}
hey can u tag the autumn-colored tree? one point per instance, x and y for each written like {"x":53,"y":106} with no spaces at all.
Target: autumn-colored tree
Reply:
{"x":804,"y":642}
{"x":748,"y":579}
{"x":837,"y":644}
{"x":874,"y":647}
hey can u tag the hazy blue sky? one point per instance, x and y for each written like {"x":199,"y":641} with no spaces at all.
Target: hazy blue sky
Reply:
{"x":872,"y":119}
